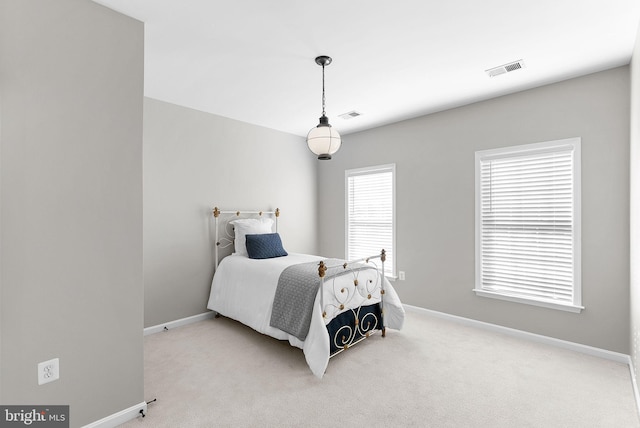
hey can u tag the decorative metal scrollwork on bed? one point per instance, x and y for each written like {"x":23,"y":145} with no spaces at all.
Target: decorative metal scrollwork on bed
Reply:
{"x":355,"y":323}
{"x":226,"y":240}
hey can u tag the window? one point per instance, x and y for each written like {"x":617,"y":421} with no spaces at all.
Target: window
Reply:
{"x":370,"y":219}
{"x":528,"y":224}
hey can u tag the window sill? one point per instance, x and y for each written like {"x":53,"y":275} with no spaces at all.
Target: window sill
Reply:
{"x":542,"y":303}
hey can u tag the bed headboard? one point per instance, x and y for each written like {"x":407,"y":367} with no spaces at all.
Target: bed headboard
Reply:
{"x":224,"y":229}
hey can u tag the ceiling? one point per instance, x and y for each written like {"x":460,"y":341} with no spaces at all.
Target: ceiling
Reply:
{"x":253,"y":60}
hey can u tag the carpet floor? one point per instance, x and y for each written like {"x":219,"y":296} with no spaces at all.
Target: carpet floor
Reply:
{"x":433,"y":373}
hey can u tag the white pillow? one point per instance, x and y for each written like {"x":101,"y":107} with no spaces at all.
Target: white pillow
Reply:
{"x":248,"y":226}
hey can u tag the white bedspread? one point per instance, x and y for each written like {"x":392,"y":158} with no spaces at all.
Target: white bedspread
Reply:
{"x":243,"y":289}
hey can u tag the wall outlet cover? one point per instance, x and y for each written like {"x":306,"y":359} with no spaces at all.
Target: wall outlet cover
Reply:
{"x":48,"y":371}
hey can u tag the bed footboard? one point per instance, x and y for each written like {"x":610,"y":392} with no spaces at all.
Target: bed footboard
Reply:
{"x":354,"y":324}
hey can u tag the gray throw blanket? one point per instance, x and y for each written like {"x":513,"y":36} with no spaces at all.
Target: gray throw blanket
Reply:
{"x":297,"y":289}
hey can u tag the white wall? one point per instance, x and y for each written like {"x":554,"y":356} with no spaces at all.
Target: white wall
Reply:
{"x":194,"y":161}
{"x":434,"y":157}
{"x":71,"y":79}
{"x":635,"y":207}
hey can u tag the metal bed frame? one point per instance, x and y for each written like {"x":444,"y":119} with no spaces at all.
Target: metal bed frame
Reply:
{"x":227,"y":240}
{"x":347,"y":335}
{"x":365,"y":324}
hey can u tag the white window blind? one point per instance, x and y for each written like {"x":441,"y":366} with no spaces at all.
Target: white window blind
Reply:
{"x":370,"y":219}
{"x":528,"y":224}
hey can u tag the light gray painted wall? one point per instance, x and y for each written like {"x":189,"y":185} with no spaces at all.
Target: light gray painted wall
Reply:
{"x":635,"y":207}
{"x":71,"y":78}
{"x":194,"y":161}
{"x":434,"y":156}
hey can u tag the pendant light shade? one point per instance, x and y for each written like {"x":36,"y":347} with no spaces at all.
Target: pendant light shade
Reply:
{"x":323,"y":140}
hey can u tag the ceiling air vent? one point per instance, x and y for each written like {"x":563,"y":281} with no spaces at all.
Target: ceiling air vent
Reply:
{"x":350,"y":115}
{"x":512,"y":66}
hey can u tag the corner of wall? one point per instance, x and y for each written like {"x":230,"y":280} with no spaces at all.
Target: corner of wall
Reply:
{"x":634,"y":216}
{"x":1,"y":300}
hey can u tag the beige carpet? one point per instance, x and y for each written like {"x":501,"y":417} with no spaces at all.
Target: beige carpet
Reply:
{"x":433,"y":373}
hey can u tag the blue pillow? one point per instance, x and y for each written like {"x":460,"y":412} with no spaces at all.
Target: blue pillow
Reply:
{"x":264,"y":246}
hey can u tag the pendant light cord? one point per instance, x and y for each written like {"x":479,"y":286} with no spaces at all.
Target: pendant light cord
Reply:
{"x":323,"y":98}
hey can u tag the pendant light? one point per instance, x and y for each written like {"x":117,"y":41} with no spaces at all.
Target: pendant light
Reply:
{"x":323,"y":140}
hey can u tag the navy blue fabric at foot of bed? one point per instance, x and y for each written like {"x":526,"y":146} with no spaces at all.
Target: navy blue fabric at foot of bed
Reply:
{"x":342,"y":328}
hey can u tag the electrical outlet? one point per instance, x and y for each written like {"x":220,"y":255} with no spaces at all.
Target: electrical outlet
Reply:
{"x":401,"y":275}
{"x":48,"y":371}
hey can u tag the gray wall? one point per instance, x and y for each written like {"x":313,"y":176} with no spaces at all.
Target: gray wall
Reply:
{"x":194,"y":161}
{"x":434,"y":156}
{"x":71,"y":79}
{"x":635,"y":206}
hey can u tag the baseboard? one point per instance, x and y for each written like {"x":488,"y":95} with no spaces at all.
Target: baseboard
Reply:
{"x":119,"y":418}
{"x":177,"y":323}
{"x":585,"y":349}
{"x":634,"y":384}
{"x":135,"y":411}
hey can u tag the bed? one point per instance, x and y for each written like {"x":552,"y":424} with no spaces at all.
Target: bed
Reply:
{"x":322,"y":306}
